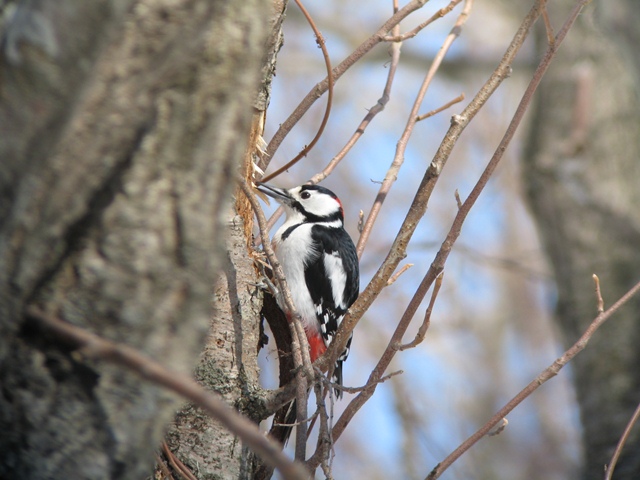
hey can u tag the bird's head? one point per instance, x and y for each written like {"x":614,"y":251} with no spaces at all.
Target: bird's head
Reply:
{"x":313,"y":202}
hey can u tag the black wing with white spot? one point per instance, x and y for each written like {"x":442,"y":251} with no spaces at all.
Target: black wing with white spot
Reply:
{"x":332,"y":277}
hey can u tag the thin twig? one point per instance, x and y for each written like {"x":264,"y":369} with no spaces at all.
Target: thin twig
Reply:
{"x":325,"y":442}
{"x":273,"y":219}
{"x":596,"y":281}
{"x":377,"y":108}
{"x":396,"y":275}
{"x":397,"y":252}
{"x":296,"y":423}
{"x":360,"y":220}
{"x":398,"y":160}
{"x":623,"y":439}
{"x":299,"y":343}
{"x":465,"y":208}
{"x":179,"y":467}
{"x":366,"y":121}
{"x":368,"y":385}
{"x":318,"y":90}
{"x":92,"y":346}
{"x":277,"y":398}
{"x":326,"y":436}
{"x":547,"y":24}
{"x":470,"y":201}
{"x":368,"y":118}
{"x":327,"y":60}
{"x":550,"y":372}
{"x":165,"y":469}
{"x":302,"y":396}
{"x":268,"y":250}
{"x":456,"y":194}
{"x":424,"y":116}
{"x":412,"y":33}
{"x":422,"y":331}
{"x":278,"y":273}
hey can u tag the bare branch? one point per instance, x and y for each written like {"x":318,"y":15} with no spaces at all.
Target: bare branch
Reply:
{"x":373,"y":111}
{"x":412,"y":33}
{"x":458,"y":99}
{"x":318,"y":90}
{"x":368,"y":385}
{"x":458,"y":201}
{"x":623,"y":439}
{"x":596,"y":281}
{"x":293,"y":315}
{"x":162,"y":465}
{"x":398,"y":159}
{"x":422,"y":331}
{"x":301,"y":394}
{"x":419,"y":204}
{"x":275,"y":399}
{"x":396,"y":275}
{"x":176,"y":463}
{"x":296,"y":423}
{"x":325,"y":442}
{"x":547,"y":25}
{"x":92,"y":346}
{"x":322,"y":44}
{"x":550,"y":372}
{"x":299,"y":344}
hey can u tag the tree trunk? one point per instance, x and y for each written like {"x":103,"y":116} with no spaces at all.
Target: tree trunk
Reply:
{"x":229,"y":362}
{"x":582,"y":172}
{"x":121,"y":127}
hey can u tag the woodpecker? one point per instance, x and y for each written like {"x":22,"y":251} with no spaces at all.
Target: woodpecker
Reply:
{"x":319,"y":261}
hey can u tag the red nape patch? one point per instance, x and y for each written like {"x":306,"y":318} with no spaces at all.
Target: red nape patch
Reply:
{"x":341,"y":209}
{"x":316,"y":346}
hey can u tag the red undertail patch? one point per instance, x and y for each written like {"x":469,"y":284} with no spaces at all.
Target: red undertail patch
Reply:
{"x":316,"y":346}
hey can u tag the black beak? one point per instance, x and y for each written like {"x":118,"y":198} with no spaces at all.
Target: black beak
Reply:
{"x":280,"y":194}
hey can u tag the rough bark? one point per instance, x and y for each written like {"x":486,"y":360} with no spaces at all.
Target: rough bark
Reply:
{"x":228,"y":363}
{"x":229,"y":366}
{"x":121,"y":126}
{"x":582,"y":173}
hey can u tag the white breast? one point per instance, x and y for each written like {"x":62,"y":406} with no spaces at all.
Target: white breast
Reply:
{"x":292,"y":254}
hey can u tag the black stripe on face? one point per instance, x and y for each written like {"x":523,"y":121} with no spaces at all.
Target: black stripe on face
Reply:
{"x":312,"y":218}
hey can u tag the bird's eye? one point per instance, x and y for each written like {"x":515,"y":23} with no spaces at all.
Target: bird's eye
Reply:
{"x":305,"y":195}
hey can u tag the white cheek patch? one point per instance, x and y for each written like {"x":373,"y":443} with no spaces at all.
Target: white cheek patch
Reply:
{"x":318,"y":204}
{"x":323,"y":206}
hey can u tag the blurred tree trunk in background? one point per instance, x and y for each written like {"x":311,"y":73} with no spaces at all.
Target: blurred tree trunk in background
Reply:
{"x":122,"y":124}
{"x":582,"y":171}
{"x":229,"y":363}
